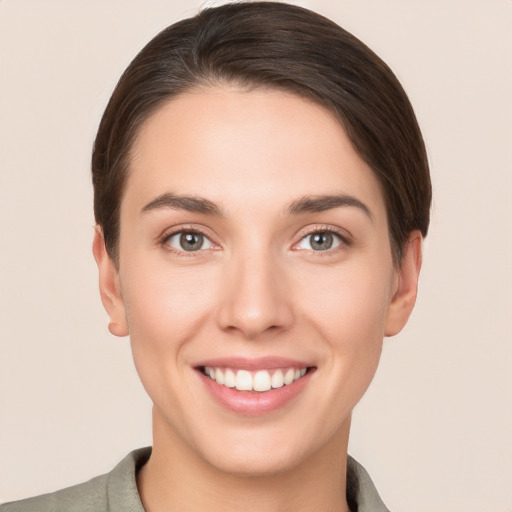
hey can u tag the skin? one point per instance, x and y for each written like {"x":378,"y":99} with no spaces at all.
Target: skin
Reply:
{"x":258,"y":289}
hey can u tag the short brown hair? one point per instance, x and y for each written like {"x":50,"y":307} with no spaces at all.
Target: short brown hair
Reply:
{"x":281,"y":46}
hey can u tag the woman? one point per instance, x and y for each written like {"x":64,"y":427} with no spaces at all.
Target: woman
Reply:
{"x":261,"y":194}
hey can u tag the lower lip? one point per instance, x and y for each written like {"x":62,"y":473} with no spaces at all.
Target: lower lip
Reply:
{"x":253,"y":403}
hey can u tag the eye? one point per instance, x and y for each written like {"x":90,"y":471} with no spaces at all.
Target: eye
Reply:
{"x":189,"y":241}
{"x":320,"y":241}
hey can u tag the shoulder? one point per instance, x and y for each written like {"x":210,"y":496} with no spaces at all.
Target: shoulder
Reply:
{"x":362,"y":490}
{"x":91,"y":495}
{"x":114,"y":491}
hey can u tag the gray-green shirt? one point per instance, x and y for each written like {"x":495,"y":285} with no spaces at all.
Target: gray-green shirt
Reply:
{"x":117,"y":491}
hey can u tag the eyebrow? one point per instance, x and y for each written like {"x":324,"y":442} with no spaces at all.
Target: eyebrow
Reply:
{"x":188,"y":203}
{"x":308,"y":204}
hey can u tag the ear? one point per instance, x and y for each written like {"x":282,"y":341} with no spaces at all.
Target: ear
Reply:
{"x":110,"y":289}
{"x":403,"y":301}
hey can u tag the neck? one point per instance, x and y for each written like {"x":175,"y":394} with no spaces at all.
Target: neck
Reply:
{"x":177,"y":478}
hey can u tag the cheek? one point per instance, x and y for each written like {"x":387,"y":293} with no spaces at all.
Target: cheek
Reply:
{"x":350,"y":306}
{"x":165,"y":307}
{"x":349,"y":312}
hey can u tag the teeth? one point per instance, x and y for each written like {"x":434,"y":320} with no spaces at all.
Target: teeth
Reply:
{"x":219,"y":376}
{"x":262,"y":380}
{"x":289,"y":376}
{"x":277,"y":379}
{"x":229,"y":378}
{"x":243,"y":380}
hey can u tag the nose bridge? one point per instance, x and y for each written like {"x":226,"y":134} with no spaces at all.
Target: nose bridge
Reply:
{"x":255,"y":299}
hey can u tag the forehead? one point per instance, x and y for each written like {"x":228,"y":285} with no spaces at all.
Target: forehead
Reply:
{"x":225,"y":143}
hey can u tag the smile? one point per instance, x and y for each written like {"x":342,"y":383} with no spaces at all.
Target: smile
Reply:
{"x":254,"y":387}
{"x":259,"y":381}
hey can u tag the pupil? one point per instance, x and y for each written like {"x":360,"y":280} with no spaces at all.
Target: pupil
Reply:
{"x":191,"y":241}
{"x":321,"y":241}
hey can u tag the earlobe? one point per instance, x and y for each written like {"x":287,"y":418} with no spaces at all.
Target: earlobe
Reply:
{"x":110,"y":290}
{"x":403,"y":300}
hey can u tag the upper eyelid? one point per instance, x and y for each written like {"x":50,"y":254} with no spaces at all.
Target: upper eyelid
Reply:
{"x":169,"y":232}
{"x":343,"y":233}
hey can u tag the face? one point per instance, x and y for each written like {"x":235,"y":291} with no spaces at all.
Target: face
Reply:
{"x":255,"y":277}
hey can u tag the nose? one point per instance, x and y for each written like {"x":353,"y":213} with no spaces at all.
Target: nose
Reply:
{"x":255,"y":298}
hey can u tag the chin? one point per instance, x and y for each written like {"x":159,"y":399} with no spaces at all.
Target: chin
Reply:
{"x":251,"y":463}
{"x":268,"y":451}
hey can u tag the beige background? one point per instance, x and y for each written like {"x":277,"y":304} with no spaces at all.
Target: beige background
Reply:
{"x":435,"y":429}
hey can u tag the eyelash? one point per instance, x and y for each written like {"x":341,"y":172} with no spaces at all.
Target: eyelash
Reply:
{"x":166,"y":237}
{"x":344,"y":240}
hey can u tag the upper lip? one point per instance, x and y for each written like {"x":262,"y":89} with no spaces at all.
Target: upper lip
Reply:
{"x":259,"y":363}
